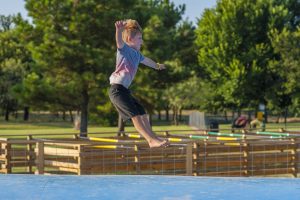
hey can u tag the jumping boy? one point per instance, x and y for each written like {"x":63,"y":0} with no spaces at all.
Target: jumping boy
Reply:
{"x":129,"y":41}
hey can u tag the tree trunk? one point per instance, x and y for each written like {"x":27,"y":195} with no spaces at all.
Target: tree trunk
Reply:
{"x":159,"y":115}
{"x":26,"y":113}
{"x":175,"y":116}
{"x":167,"y":114}
{"x":233,"y":115}
{"x":84,"y":114}
{"x":180,"y":115}
{"x":64,"y":116}
{"x":16,"y":114}
{"x":285,"y":115}
{"x":7,"y":114}
{"x":71,"y":116}
{"x":249,"y":116}
{"x":225,"y":116}
{"x":121,"y":125}
{"x":277,"y":119}
{"x":239,"y":112}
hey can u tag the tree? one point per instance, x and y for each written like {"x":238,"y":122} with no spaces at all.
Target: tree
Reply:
{"x":182,"y":94}
{"x":286,"y":45}
{"x":171,"y":41}
{"x":75,"y":49}
{"x":235,"y":48}
{"x":11,"y":64}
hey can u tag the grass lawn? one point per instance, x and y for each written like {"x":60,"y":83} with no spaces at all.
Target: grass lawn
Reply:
{"x":30,"y":128}
{"x":21,"y":128}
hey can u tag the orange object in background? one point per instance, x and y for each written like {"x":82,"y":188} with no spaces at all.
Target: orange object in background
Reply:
{"x":260,"y":116}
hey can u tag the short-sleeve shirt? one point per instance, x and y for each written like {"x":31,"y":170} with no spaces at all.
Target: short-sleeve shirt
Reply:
{"x":127,"y":63}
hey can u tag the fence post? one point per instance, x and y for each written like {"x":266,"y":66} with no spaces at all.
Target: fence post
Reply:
{"x":166,"y":133}
{"x":137,"y":159}
{"x":196,"y":157}
{"x":295,"y":157}
{"x":30,"y":152}
{"x":75,"y":136}
{"x":40,"y":157}
{"x":1,"y":156}
{"x":189,"y":159}
{"x":245,"y":157}
{"x":80,"y":159}
{"x":7,"y":154}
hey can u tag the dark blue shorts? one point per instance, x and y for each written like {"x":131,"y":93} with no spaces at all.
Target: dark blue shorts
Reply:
{"x":126,"y":105}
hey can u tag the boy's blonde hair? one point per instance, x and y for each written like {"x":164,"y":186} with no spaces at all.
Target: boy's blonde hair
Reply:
{"x":131,"y":29}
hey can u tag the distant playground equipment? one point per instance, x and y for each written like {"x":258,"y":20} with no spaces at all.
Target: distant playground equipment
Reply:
{"x":198,"y":152}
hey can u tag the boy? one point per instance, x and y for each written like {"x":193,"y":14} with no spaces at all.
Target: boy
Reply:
{"x":129,"y":41}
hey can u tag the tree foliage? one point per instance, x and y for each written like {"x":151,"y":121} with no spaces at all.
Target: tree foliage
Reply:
{"x":13,"y":59}
{"x":242,"y":53}
{"x":235,"y":48}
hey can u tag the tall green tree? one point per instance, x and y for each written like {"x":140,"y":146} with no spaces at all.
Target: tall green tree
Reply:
{"x":183,"y":95}
{"x":73,"y":47}
{"x":168,"y":40}
{"x":235,"y":48}
{"x":11,"y":64}
{"x":287,"y":90}
{"x":75,"y":50}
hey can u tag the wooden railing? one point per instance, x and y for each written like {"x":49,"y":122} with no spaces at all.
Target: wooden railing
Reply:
{"x":103,"y":158}
{"x":247,"y":158}
{"x":17,"y":154}
{"x":205,"y":155}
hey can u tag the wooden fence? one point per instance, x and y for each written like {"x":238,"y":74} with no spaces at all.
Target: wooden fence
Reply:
{"x":247,"y":158}
{"x":104,"y":158}
{"x":209,"y":156}
{"x":17,"y":154}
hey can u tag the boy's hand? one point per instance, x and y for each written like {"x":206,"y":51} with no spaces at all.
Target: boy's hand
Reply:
{"x":120,"y":25}
{"x":161,"y":66}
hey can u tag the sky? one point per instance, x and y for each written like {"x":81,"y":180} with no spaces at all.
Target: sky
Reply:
{"x":194,"y":8}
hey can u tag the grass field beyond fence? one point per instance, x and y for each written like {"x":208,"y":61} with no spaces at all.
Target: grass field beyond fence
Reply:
{"x":13,"y":128}
{"x":31,"y":128}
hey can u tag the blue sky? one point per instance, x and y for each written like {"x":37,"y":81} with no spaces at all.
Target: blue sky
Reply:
{"x":194,"y":8}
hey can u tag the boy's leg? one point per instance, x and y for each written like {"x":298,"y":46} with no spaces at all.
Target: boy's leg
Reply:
{"x":147,"y":125}
{"x":146,"y":122}
{"x":151,"y":138}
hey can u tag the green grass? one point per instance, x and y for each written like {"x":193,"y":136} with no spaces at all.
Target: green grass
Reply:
{"x":52,"y":128}
{"x":27,"y":128}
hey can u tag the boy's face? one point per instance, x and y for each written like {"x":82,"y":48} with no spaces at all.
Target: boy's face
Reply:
{"x":136,"y":42}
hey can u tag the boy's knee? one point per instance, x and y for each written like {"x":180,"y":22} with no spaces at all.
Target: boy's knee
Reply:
{"x":136,"y":118}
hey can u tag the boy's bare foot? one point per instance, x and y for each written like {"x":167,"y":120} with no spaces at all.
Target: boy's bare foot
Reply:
{"x":158,"y":143}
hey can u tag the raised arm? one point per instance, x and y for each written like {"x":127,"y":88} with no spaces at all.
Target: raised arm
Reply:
{"x":120,"y":26}
{"x":150,"y":63}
